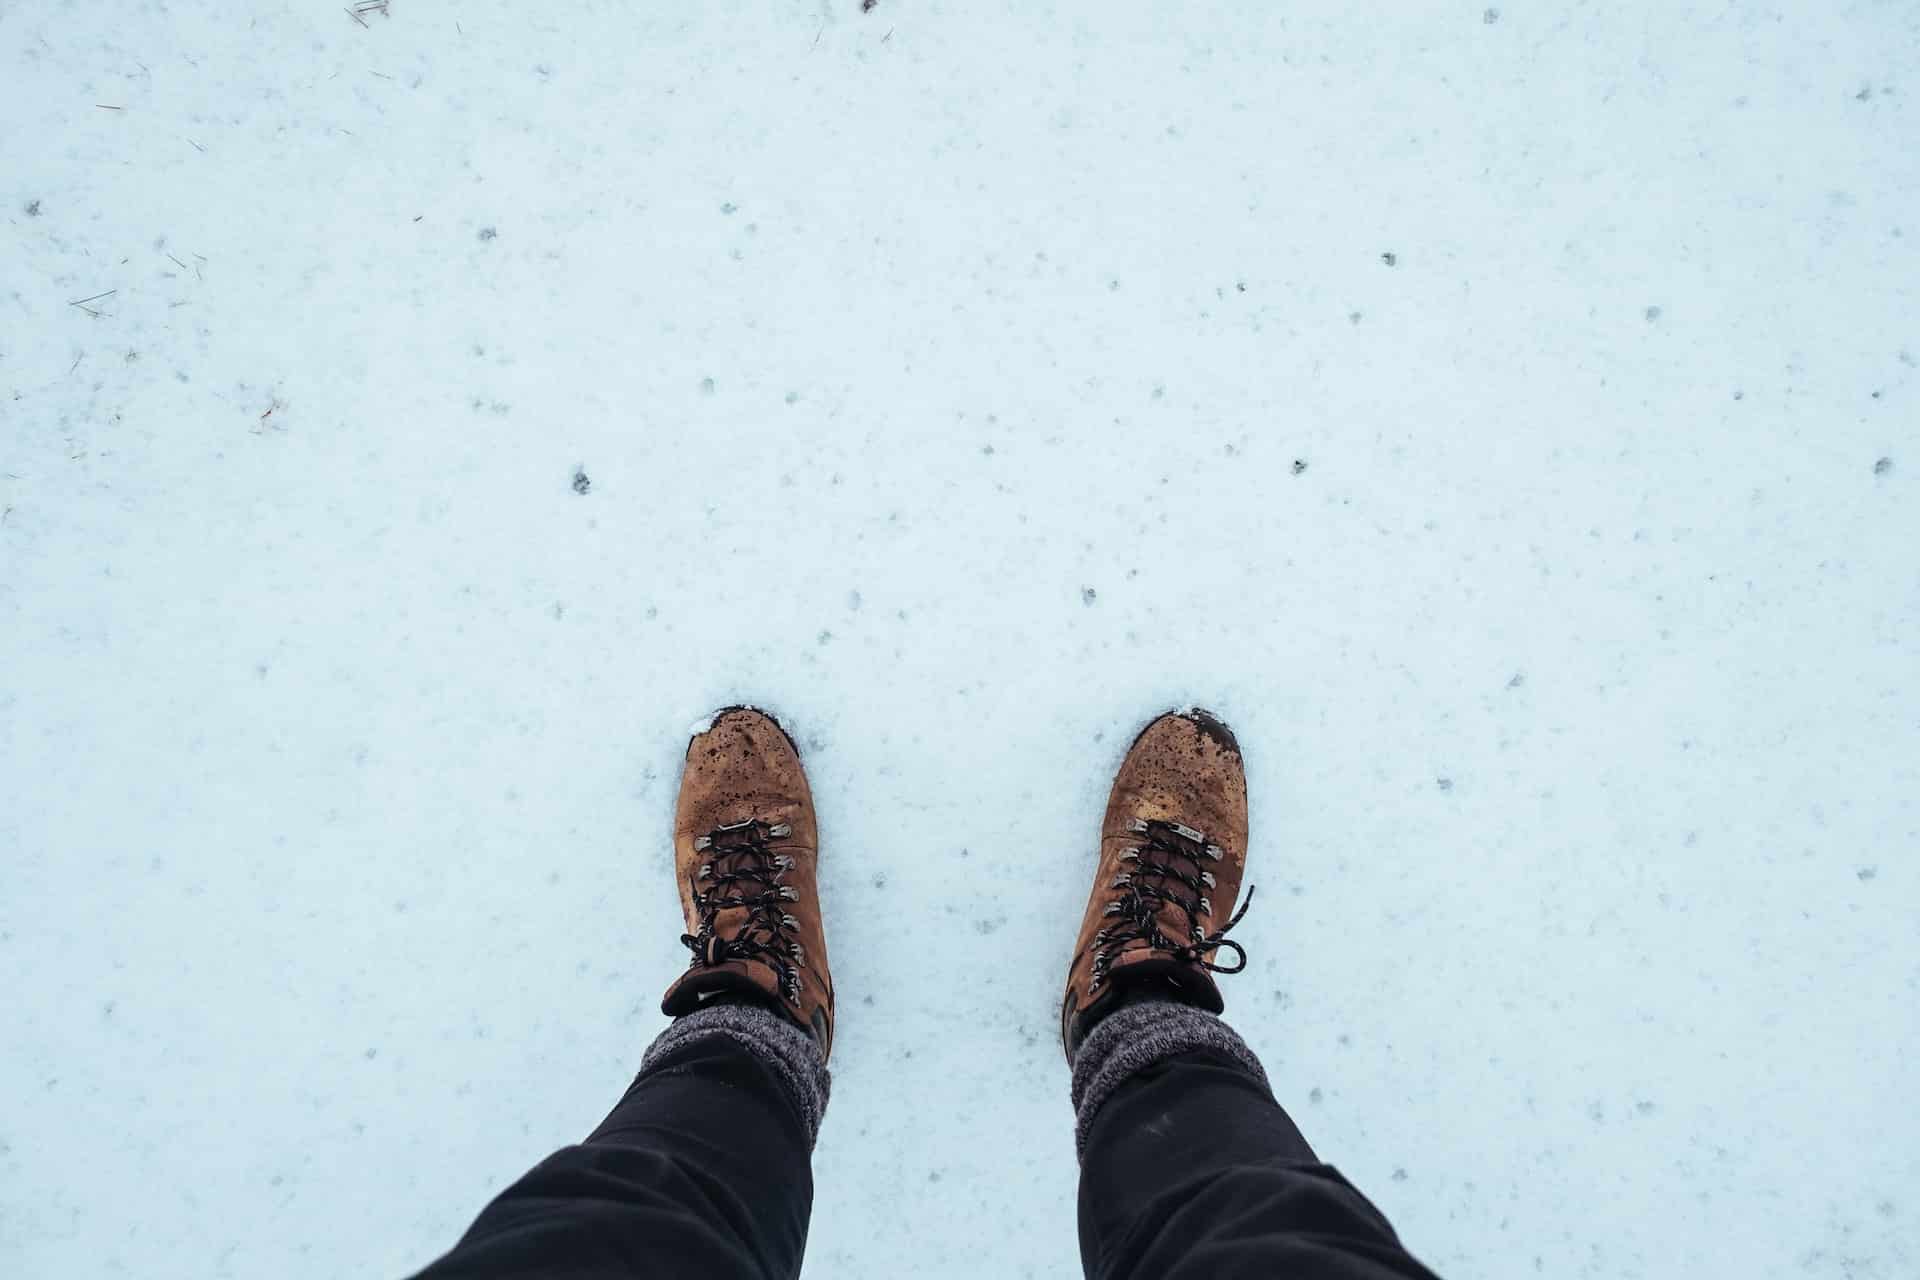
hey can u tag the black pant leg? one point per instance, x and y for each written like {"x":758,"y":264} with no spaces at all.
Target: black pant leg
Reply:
{"x":1192,"y":1172}
{"x":702,"y":1169}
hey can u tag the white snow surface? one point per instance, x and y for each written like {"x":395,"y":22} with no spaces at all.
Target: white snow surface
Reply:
{"x":941,"y":375}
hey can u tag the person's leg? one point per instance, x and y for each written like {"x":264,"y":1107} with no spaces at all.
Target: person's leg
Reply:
{"x":702,"y":1168}
{"x":1190,"y":1169}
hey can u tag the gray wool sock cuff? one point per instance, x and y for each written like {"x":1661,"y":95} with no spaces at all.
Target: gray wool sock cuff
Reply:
{"x":1134,"y":1037}
{"x":787,"y":1051}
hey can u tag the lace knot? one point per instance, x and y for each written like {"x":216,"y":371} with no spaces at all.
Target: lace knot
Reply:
{"x":743,"y":871}
{"x":1167,"y":868}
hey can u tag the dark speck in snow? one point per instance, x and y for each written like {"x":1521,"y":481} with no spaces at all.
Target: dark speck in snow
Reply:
{"x":866,"y":6}
{"x":1314,"y":1095}
{"x":1299,"y":465}
{"x":1240,"y":286}
{"x":825,"y":637}
{"x":1445,"y":784}
{"x":1739,"y":395}
{"x":33,"y":208}
{"x":372,"y":1054}
{"x":1490,"y":17}
{"x":488,"y":233}
{"x":729,"y":208}
{"x":1353,"y":317}
{"x":1867,"y":873}
{"x":854,"y":600}
{"x":1399,"y":1175}
{"x":1390,"y":258}
{"x":1883,"y":466}
{"x":1653,"y":313}
{"x":580,"y":482}
{"x":1088,"y":595}
{"x":707,"y":386}
{"x":1519,"y":678}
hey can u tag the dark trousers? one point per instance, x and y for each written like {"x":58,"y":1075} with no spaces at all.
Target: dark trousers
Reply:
{"x":1191,"y":1173}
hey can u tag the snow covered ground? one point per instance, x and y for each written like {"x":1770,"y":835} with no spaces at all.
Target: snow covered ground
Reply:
{"x":1505,"y":418}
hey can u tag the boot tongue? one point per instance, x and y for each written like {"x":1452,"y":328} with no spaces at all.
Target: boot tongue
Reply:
{"x":1187,"y":856}
{"x":698,"y":987}
{"x":1142,"y":970}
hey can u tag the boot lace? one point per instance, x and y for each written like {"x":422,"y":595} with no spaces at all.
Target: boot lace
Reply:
{"x":1168,"y":867}
{"x":741,"y":870}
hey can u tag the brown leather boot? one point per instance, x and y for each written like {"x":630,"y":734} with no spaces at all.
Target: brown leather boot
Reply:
{"x":745,"y":848}
{"x":1172,"y":850}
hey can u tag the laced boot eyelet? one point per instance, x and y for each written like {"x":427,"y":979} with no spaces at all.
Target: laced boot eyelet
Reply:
{"x":744,"y":872}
